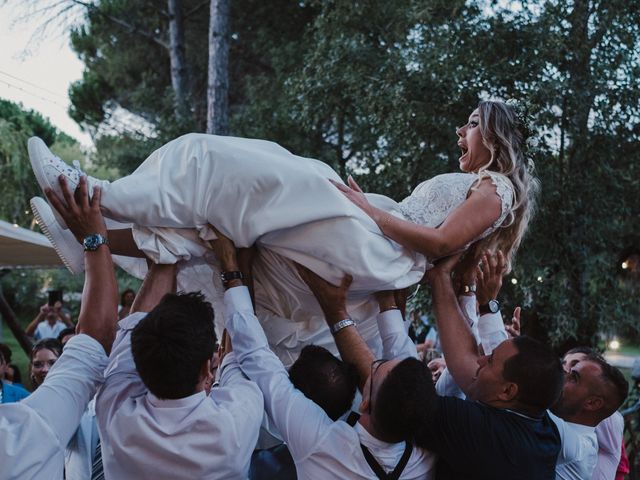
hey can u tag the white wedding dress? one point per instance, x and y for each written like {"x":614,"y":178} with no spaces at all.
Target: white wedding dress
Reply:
{"x":255,"y":191}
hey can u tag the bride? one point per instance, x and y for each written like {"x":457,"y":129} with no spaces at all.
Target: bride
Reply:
{"x":298,"y":209}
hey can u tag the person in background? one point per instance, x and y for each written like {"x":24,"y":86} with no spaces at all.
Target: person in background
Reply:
{"x":49,"y":322}
{"x":44,"y":355}
{"x":9,"y":393}
{"x":65,"y":335}
{"x":610,"y":431}
{"x":126,"y":300}
{"x":12,"y":375}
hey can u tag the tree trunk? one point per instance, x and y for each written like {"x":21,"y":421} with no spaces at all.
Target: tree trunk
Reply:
{"x":179,"y":71}
{"x":10,"y":319}
{"x":218,"y":81}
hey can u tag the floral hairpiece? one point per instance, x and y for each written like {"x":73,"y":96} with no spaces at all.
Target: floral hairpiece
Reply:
{"x":524,"y":123}
{"x":522,"y":114}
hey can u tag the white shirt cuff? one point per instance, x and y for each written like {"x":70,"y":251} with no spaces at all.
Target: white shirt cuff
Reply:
{"x":390,"y":322}
{"x":490,"y":323}
{"x":237,"y":299}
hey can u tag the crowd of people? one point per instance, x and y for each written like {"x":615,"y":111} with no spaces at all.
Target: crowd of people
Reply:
{"x":145,"y":393}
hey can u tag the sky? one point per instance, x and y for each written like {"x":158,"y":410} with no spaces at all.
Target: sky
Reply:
{"x":38,"y":73}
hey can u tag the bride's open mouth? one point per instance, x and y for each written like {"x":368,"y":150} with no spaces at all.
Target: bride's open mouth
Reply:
{"x":464,"y":151}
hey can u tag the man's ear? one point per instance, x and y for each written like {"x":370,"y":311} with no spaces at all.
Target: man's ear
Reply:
{"x":509,"y":392}
{"x":364,"y":405}
{"x":593,"y":403}
{"x":205,"y":370}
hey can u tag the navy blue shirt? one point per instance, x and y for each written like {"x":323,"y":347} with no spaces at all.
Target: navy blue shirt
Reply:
{"x":476,"y":441}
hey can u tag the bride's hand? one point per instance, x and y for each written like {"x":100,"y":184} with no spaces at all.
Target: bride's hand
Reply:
{"x":354,"y":193}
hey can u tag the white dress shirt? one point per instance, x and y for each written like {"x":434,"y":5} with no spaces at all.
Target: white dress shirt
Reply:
{"x":79,"y":455}
{"x":609,"y":433}
{"x":35,"y":432}
{"x":199,"y":436}
{"x":320,"y":447}
{"x":579,"y":453}
{"x":44,"y":330}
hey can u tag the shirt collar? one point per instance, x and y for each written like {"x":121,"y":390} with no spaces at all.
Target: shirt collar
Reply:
{"x":190,"y":401}
{"x":370,"y":441}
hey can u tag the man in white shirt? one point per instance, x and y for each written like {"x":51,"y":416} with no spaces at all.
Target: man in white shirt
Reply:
{"x":48,"y":324}
{"x":35,"y":432}
{"x":593,"y":391}
{"x":154,"y":415}
{"x":396,"y":393}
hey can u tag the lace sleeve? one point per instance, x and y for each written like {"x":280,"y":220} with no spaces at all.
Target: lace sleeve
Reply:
{"x":504,"y":190}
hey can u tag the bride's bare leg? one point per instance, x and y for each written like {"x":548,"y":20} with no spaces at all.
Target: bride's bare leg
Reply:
{"x":121,"y":243}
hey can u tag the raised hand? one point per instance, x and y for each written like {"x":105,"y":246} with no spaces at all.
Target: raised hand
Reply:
{"x":225,"y":251}
{"x":332,"y":298}
{"x":81,"y":214}
{"x":514,"y":329}
{"x":442,"y":267}
{"x":489,"y":276}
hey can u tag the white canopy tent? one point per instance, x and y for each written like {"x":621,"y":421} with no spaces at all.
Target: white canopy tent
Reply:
{"x":21,"y":248}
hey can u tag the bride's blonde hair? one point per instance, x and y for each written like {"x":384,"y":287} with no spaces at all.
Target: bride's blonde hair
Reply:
{"x":505,"y":131}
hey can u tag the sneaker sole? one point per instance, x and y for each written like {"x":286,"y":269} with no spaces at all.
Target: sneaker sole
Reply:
{"x":34,"y":147}
{"x":46,"y":220}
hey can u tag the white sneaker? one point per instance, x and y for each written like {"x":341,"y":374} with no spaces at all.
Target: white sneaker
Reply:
{"x":48,"y":168}
{"x":67,"y":247}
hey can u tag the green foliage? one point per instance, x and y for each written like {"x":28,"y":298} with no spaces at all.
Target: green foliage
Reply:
{"x":377,"y":88}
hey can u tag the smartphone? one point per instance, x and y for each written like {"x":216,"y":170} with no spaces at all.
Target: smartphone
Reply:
{"x":54,"y":296}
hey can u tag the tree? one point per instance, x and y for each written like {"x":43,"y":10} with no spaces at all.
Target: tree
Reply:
{"x":377,"y":90}
{"x":218,"y":78}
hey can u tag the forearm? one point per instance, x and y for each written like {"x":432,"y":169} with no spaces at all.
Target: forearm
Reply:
{"x":160,"y":280}
{"x":99,"y":311}
{"x":31,"y":328}
{"x":353,"y":349}
{"x":458,"y":343}
{"x":425,"y":240}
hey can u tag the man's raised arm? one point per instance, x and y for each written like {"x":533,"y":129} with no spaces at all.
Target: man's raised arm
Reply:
{"x":332,"y":299}
{"x":99,"y":310}
{"x":458,"y":343}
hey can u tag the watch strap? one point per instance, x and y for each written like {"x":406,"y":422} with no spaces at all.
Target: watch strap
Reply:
{"x":492,"y":306}
{"x":226,"y":277}
{"x":342,"y":324}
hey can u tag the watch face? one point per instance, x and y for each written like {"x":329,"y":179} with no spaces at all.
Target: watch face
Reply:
{"x":494,"y":306}
{"x":92,"y":242}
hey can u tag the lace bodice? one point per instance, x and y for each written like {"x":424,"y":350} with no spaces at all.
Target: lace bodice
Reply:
{"x":433,"y":200}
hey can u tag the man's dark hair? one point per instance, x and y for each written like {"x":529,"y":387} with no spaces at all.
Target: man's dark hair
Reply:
{"x":51,"y":344}
{"x":405,"y":401}
{"x":537,"y":371}
{"x":65,"y":332}
{"x":583,"y":350}
{"x":171,"y":344}
{"x":619,"y":387}
{"x":325,"y":379}
{"x":17,"y":376}
{"x":6,"y":352}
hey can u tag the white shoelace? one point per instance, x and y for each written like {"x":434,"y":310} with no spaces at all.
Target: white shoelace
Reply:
{"x":76,"y":165}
